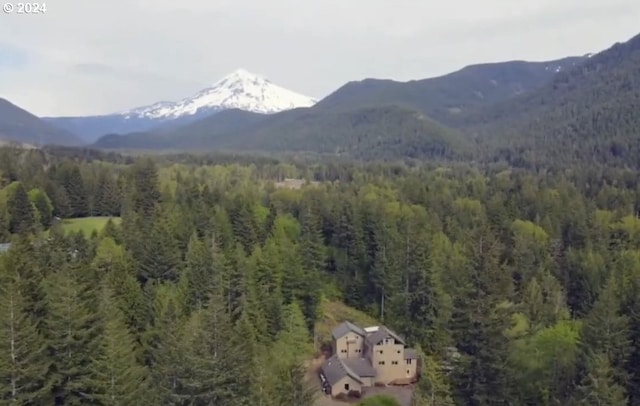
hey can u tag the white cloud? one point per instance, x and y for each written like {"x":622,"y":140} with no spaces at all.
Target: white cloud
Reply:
{"x":90,"y":56}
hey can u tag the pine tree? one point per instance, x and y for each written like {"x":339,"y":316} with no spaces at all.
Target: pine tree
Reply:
{"x":159,"y":258}
{"x":107,"y":198}
{"x":433,"y":388}
{"x":428,"y":308}
{"x":145,"y":194}
{"x":4,"y":222}
{"x":201,"y":272}
{"x":43,"y":207}
{"x":22,"y":218}
{"x":218,"y":368}
{"x":164,"y":348}
{"x":71,"y":329}
{"x":292,"y":386}
{"x":313,"y":256}
{"x":480,"y":321}
{"x":599,"y":387}
{"x":117,"y":378}
{"x":265,"y":288}
{"x":71,"y":180}
{"x":23,"y":357}
{"x":606,"y":331}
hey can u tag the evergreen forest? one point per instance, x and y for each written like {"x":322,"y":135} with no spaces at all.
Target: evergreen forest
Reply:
{"x":518,"y":286}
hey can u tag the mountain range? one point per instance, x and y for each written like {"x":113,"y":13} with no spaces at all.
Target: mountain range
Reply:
{"x":359,"y":115}
{"x":584,"y":108}
{"x":239,"y":90}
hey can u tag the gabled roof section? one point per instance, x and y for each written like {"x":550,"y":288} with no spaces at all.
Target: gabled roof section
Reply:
{"x":360,"y":367}
{"x":334,"y":370}
{"x":381,"y":334}
{"x":345,"y":328}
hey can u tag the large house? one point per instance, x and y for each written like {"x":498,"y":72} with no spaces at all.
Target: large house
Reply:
{"x":364,"y":357}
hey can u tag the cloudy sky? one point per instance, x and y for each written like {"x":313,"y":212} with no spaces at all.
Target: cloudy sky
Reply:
{"x":92,"y":57}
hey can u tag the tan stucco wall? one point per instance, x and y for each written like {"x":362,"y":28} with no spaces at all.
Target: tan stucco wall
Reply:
{"x":411,"y":369}
{"x":367,"y":382}
{"x":338,"y":387}
{"x":394,"y":366}
{"x":350,"y":345}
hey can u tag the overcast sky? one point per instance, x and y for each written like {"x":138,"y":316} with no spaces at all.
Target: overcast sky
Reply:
{"x":94,"y":57}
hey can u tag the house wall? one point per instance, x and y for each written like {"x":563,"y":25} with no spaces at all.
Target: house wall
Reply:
{"x":410,"y":368}
{"x":388,"y":361}
{"x":350,"y":345}
{"x":339,"y":387}
{"x":367,"y":382}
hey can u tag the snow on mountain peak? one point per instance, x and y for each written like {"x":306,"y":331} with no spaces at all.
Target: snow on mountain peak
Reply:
{"x":240,"y":89}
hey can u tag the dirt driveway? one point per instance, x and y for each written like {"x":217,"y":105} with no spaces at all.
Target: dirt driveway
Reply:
{"x":401,"y":393}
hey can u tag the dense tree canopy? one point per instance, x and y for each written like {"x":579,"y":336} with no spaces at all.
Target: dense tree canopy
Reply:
{"x":210,"y":288}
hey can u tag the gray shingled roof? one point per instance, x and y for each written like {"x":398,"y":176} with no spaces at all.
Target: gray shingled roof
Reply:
{"x":410,"y":353}
{"x":360,"y":367}
{"x":347,"y":327}
{"x":334,"y":370}
{"x":381,"y":334}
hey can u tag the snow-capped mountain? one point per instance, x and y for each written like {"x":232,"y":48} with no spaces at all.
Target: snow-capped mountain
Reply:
{"x":240,"y":90}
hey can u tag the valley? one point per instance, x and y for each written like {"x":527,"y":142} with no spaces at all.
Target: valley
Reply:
{"x":471,"y":238}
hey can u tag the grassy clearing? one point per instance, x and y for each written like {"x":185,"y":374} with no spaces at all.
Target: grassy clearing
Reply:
{"x":333,"y":313}
{"x":87,"y":224}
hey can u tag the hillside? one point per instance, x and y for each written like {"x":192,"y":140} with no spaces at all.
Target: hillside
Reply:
{"x":376,"y":132}
{"x":386,"y":132}
{"x":445,"y":96}
{"x":21,"y":126}
{"x":591,"y":112}
{"x":203,"y":133}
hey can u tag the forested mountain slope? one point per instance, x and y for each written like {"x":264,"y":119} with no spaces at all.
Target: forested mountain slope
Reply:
{"x":446,"y":96}
{"x":21,"y":126}
{"x":385,"y":132}
{"x":203,"y":133}
{"x":591,"y":112}
{"x":209,"y":288}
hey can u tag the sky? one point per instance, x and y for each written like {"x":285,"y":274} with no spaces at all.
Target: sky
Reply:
{"x":85,"y":57}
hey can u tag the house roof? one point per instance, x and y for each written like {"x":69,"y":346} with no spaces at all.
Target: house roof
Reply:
{"x":360,"y":367}
{"x":410,"y":353}
{"x":4,"y":247}
{"x":347,"y":327}
{"x":381,"y":334}
{"x":334,"y":370}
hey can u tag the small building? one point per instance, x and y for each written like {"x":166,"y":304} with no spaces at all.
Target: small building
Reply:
{"x":364,"y":357}
{"x":4,"y":247}
{"x":346,"y":376}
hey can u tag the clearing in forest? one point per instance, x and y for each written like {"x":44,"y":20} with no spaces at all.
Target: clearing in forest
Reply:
{"x":87,"y":224}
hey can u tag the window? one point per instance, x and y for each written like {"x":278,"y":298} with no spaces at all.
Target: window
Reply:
{"x":343,"y":351}
{"x":346,"y":386}
{"x":380,"y":351}
{"x":398,"y":351}
{"x":408,"y":362}
{"x":380,"y":362}
{"x":394,"y":362}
